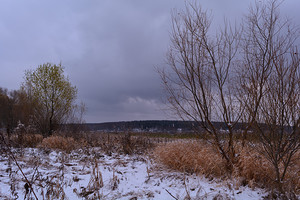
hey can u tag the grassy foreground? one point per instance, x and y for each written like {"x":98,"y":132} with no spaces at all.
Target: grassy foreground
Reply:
{"x":185,"y":155}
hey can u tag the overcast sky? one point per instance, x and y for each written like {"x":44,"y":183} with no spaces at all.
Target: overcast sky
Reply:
{"x":109,"y":48}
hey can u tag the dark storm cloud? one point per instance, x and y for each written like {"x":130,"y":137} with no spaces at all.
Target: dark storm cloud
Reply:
{"x":109,"y":48}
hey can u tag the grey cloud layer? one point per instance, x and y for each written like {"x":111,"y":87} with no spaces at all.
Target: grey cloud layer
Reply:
{"x":109,"y":48}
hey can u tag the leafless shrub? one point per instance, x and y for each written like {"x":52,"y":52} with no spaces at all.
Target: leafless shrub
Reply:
{"x":270,"y":86}
{"x":28,"y":140}
{"x":198,"y":82}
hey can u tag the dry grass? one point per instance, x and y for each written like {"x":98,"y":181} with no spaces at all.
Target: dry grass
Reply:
{"x":252,"y":168}
{"x":108,"y":142}
{"x":192,"y":156}
{"x":256,"y":170}
{"x":59,"y":142}
{"x":195,"y":156}
{"x":26,"y":140}
{"x":118,"y":142}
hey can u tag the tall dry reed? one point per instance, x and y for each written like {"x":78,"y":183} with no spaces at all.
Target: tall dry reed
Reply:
{"x":251,"y":169}
{"x":192,"y":156}
{"x":59,"y":142}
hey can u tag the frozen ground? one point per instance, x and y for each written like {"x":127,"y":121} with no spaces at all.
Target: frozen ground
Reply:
{"x":90,"y":174}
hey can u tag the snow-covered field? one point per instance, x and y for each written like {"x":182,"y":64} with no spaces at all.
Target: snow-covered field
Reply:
{"x":89,"y":174}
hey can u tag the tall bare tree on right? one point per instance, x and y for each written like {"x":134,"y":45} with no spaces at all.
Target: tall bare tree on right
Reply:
{"x":200,"y":81}
{"x":269,"y":81}
{"x":198,"y":78}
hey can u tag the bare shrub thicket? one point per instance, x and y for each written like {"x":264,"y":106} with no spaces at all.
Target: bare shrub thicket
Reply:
{"x":27,"y":140}
{"x":249,"y":76}
{"x":269,"y":86}
{"x":25,"y":136}
{"x":127,"y":142}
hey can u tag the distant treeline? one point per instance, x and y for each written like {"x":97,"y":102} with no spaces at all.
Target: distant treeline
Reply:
{"x":152,"y":126}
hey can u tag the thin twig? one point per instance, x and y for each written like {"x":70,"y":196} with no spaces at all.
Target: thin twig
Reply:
{"x":171,"y":194}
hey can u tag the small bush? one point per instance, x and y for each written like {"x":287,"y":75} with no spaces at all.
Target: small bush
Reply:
{"x":59,"y":142}
{"x":26,"y":140}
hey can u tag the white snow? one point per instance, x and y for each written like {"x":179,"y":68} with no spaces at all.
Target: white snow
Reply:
{"x":123,"y":176}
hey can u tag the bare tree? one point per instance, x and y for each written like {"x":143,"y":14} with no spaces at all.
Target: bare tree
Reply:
{"x":269,"y":83}
{"x":75,"y":119}
{"x":198,"y":80}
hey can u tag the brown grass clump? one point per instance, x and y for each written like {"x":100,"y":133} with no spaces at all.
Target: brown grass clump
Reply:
{"x":253,"y":168}
{"x":59,"y":142}
{"x":192,"y":156}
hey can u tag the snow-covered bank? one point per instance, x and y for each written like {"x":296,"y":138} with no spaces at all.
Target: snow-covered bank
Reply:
{"x":90,"y":174}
